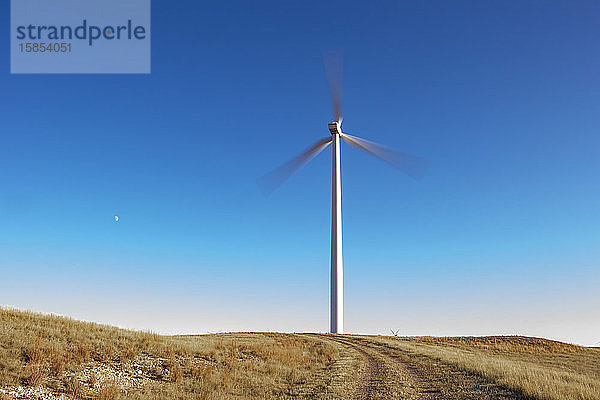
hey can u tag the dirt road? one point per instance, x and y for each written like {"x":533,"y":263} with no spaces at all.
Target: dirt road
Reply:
{"x":393,"y":373}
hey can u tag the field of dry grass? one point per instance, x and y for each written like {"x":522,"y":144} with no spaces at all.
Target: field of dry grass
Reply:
{"x":51,"y":357}
{"x":47,"y":357}
{"x":536,"y":368}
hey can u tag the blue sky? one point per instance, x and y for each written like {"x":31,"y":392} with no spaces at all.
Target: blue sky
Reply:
{"x":501,"y":237}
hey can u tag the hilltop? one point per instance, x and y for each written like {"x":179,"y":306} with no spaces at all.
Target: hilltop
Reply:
{"x":51,"y":357}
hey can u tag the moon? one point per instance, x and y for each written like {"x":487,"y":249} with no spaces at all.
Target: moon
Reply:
{"x":116,"y":218}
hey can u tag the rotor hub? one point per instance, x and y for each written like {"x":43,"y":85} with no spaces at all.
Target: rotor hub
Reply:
{"x":334,"y":128}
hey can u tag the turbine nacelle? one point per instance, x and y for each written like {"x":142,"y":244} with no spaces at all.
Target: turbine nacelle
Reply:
{"x":335,"y":128}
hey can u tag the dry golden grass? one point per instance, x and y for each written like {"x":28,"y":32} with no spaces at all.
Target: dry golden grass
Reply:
{"x":502,"y":344}
{"x":83,"y":360}
{"x":538,"y":368}
{"x":53,"y":352}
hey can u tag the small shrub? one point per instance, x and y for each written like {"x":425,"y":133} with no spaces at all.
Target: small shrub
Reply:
{"x":226,"y":378}
{"x":81,"y":353}
{"x":127,"y":354}
{"x":175,"y":370}
{"x":57,"y":364}
{"x":109,"y":391}
{"x":201,"y":374}
{"x":75,"y":388}
{"x":37,"y":376}
{"x":34,"y":354}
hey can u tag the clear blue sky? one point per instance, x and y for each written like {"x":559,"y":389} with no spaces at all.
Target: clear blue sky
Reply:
{"x":501,"y":237}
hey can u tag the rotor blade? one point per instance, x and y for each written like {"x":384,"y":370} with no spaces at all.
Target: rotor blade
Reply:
{"x":272,"y":180}
{"x":333,"y":61}
{"x":413,"y":166}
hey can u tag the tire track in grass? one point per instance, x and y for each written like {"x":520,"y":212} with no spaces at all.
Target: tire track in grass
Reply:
{"x":433,"y":379}
{"x":393,"y":373}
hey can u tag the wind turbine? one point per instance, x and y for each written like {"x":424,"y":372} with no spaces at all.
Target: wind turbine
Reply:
{"x":409,"y":164}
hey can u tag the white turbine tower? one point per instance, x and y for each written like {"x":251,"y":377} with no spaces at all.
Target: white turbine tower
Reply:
{"x":409,"y":164}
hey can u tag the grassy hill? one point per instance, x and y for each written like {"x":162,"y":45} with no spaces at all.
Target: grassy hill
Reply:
{"x":50,"y":357}
{"x":534,"y":368}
